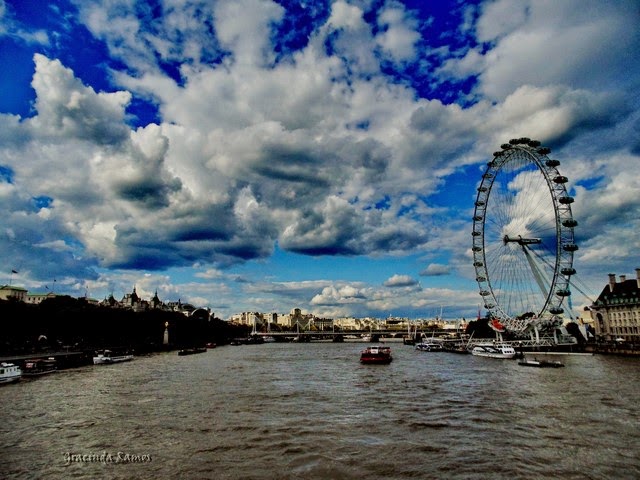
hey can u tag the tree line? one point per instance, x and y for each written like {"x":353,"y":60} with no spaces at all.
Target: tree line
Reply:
{"x":67,"y":323}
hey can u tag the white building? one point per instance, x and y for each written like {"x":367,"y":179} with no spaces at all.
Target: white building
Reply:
{"x":616,"y":311}
{"x":8,"y":292}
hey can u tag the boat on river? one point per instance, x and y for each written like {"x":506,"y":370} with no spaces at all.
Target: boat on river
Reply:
{"x":9,"y":373}
{"x":541,"y":363}
{"x":376,"y":355}
{"x":107,"y":357}
{"x":429,"y":347}
{"x":39,"y":366}
{"x":493,"y":350}
{"x":191,"y":351}
{"x":455,"y":348}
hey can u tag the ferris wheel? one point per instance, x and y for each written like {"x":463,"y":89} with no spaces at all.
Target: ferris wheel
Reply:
{"x":523,"y":238}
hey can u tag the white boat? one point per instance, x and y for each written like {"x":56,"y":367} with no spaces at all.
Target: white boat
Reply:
{"x":106,"y":357}
{"x":429,"y":347}
{"x":9,"y":372}
{"x":494,"y":350}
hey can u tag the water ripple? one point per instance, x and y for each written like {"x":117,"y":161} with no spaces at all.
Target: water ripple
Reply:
{"x":311,"y":411}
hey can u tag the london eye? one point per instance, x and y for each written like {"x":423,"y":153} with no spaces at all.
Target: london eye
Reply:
{"x":523,"y":238}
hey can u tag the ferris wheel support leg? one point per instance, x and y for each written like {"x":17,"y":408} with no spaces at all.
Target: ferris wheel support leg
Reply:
{"x":535,"y":334}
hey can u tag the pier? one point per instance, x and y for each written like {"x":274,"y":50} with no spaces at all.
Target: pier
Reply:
{"x":63,"y":359}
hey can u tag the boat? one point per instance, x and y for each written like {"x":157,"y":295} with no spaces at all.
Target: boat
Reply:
{"x":429,"y":347}
{"x":106,"y":357}
{"x":9,"y":372}
{"x":455,"y":348}
{"x":191,"y":351}
{"x":494,"y":350}
{"x":376,"y":355}
{"x":39,"y":366}
{"x":540,"y":363}
{"x":211,"y":345}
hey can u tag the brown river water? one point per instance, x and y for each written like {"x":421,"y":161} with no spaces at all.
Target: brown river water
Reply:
{"x":311,"y":411}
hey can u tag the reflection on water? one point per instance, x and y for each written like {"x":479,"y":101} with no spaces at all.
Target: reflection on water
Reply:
{"x":312,"y":411}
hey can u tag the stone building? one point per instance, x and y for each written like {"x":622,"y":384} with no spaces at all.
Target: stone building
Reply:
{"x":616,"y":311}
{"x":8,"y":292}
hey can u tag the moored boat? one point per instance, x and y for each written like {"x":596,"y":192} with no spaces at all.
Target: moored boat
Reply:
{"x":376,"y":355}
{"x":39,"y":366}
{"x":191,"y":351}
{"x":9,"y":372}
{"x":429,"y":347}
{"x":494,"y":350}
{"x":107,"y":357}
{"x":540,"y":363}
{"x":455,"y":348}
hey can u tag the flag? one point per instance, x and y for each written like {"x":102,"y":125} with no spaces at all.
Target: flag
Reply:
{"x":13,"y":271}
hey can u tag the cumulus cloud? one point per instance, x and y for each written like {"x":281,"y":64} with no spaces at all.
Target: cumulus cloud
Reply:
{"x":589,"y":37}
{"x":436,"y":270}
{"x":399,"y":36}
{"x":400,"y":281}
{"x":315,"y":148}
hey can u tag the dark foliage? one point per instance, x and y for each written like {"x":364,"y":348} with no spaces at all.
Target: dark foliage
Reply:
{"x":480,"y":328}
{"x":66,"y":323}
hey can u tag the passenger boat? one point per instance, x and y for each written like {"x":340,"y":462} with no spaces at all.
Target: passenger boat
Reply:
{"x":494,"y":350}
{"x":376,"y":355}
{"x":191,"y":351}
{"x":106,"y":357}
{"x":9,"y":373}
{"x":429,"y":347}
{"x":541,"y":363}
{"x":39,"y":366}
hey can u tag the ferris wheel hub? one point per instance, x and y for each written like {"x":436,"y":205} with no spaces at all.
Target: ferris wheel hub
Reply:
{"x":521,"y":241}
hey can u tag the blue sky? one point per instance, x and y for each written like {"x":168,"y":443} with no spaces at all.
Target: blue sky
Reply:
{"x":254,"y":155}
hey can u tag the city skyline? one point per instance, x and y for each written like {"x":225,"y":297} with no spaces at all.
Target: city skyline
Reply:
{"x":261,"y":156}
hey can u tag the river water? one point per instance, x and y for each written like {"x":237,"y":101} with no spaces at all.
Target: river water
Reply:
{"x":311,"y":411}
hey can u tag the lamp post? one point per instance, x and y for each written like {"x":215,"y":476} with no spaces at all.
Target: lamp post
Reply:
{"x":165,"y":340}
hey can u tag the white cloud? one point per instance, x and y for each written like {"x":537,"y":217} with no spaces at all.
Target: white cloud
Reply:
{"x":400,"y":281}
{"x":399,"y":36}
{"x":557,"y":43}
{"x":315,"y":149}
{"x":243,"y":26}
{"x":436,"y":269}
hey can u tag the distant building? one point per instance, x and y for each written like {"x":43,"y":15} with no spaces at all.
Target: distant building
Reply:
{"x":8,"y":292}
{"x":36,"y":298}
{"x":616,"y":312}
{"x":134,"y":302}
